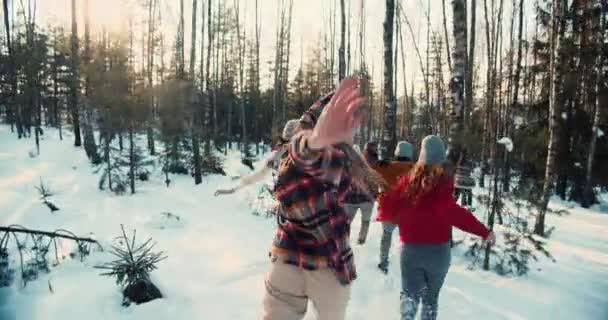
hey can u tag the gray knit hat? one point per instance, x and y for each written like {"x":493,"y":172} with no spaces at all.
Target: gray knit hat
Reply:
{"x":290,"y":129}
{"x":432,"y":151}
{"x":404,"y":149}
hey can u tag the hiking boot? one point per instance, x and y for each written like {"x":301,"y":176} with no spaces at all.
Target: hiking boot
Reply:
{"x":383,"y":268}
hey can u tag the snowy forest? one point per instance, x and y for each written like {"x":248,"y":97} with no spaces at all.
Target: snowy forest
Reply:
{"x":117,"y":128}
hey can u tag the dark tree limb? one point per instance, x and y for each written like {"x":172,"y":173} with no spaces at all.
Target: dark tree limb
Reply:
{"x":60,"y":233}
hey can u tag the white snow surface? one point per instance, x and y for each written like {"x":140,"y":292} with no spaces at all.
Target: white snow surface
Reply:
{"x":217,"y":251}
{"x":507,"y":142}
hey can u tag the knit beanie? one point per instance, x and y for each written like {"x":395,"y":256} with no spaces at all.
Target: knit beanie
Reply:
{"x":432,"y":151}
{"x":290,"y":129}
{"x":404,"y":149}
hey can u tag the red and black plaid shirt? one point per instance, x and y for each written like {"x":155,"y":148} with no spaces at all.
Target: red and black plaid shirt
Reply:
{"x":313,"y":228}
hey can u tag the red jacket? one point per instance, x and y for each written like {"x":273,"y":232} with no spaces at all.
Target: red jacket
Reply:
{"x":431,"y":219}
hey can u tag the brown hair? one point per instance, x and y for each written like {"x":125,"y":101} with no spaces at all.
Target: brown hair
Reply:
{"x":422,"y":179}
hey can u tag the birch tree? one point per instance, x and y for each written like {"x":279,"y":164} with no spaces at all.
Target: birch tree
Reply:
{"x":555,"y":107}
{"x":600,"y":60}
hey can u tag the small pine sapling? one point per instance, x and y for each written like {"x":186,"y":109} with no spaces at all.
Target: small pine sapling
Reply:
{"x":45,"y":194}
{"x":132,"y":269}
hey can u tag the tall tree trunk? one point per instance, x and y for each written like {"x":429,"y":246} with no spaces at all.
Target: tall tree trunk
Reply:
{"x":489,"y":31}
{"x":11,"y":107}
{"x":74,"y":78}
{"x":459,"y":25}
{"x":195,"y":122}
{"x":515,"y":98}
{"x":445,"y":34}
{"x":389,"y":118}
{"x":131,"y":158}
{"x":555,"y":107}
{"x":256,"y":129}
{"x":287,"y":54}
{"x":241,"y":61}
{"x":468,"y":82}
{"x":588,"y":194}
{"x":89,"y":139}
{"x":278,"y":66}
{"x":341,"y":50}
{"x":193,"y":41}
{"x":208,"y":105}
{"x":149,"y":73}
{"x":216,"y":72}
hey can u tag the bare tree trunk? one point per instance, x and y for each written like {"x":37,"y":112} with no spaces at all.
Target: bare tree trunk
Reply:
{"x":11,"y":109}
{"x":459,"y":25}
{"x":131,"y":158}
{"x":420,"y":61}
{"x":514,"y":100}
{"x":348,"y":39}
{"x":389,"y":118}
{"x":341,"y":50}
{"x":445,"y":34}
{"x":588,"y":194}
{"x":208,"y":79}
{"x":216,"y":72}
{"x":555,"y":106}
{"x":256,"y":129}
{"x":468,"y":83}
{"x":241,"y":61}
{"x":74,"y":78}
{"x":149,"y":71}
{"x":180,"y":43}
{"x":202,"y":49}
{"x":489,"y":31}
{"x":89,"y":139}
{"x":193,"y":40}
{"x":285,"y":74}
{"x":405,"y":123}
{"x":195,"y":122}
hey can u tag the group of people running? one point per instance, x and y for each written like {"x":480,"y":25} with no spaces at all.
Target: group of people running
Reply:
{"x":323,"y":180}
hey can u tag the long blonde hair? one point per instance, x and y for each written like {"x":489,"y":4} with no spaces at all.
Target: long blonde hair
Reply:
{"x":422,"y":179}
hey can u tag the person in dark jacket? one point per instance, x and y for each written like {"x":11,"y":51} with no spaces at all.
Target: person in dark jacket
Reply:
{"x":357,"y":200}
{"x":423,"y":205}
{"x":463,"y":180}
{"x":391,"y":171}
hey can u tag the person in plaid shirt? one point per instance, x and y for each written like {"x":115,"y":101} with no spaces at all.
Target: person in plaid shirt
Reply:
{"x":311,"y":257}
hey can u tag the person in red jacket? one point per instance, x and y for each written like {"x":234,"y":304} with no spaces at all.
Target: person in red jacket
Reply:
{"x":422,"y":204}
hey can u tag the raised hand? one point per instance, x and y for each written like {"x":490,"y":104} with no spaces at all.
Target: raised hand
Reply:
{"x":340,"y":117}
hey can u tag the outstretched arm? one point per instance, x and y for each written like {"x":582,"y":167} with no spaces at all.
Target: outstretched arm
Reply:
{"x":255,"y":176}
{"x":464,"y":220}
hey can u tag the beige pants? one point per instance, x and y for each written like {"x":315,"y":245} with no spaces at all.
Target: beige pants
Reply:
{"x":288,"y":289}
{"x":366,"y":216}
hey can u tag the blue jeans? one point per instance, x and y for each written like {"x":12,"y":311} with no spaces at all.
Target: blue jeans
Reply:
{"x":385,"y":242}
{"x":423,"y":270}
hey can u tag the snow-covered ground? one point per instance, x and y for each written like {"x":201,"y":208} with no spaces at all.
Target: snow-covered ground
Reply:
{"x":217,"y":251}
